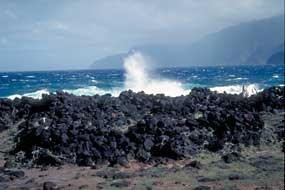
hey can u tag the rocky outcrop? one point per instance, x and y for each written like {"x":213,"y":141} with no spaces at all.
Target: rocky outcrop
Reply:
{"x":88,"y":130}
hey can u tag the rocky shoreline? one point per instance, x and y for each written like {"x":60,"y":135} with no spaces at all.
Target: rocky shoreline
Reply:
{"x":86,"y":131}
{"x":62,"y":129}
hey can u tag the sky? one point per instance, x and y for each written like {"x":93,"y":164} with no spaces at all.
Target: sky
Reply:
{"x":72,"y":34}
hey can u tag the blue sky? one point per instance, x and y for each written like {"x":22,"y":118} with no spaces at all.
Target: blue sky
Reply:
{"x":71,"y":34}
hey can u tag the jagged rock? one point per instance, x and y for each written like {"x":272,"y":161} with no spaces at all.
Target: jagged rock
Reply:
{"x":143,"y":155}
{"x":87,"y":130}
{"x":45,"y":157}
{"x":202,"y":188}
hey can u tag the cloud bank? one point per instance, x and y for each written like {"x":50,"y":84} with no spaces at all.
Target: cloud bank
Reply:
{"x":51,"y":34}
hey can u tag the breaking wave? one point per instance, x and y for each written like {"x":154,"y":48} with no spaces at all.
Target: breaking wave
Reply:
{"x":246,"y":90}
{"x":151,"y":89}
{"x":137,"y":78}
{"x":91,"y":91}
{"x":36,"y":95}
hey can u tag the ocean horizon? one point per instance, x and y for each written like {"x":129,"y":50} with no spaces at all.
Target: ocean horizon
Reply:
{"x":137,"y":76}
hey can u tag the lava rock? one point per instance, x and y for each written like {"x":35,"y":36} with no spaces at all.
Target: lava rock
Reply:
{"x":49,"y":186}
{"x":86,"y":130}
{"x":46,"y":158}
{"x":123,"y":161}
{"x":148,"y":144}
{"x":202,"y":188}
{"x":143,"y":155}
{"x":236,"y":177}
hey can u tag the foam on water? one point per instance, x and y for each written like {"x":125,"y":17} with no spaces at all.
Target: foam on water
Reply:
{"x":151,"y":88}
{"x":36,"y":95}
{"x":237,"y":79}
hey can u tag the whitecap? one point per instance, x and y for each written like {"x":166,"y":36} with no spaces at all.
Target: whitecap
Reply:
{"x":5,"y":76}
{"x":22,"y":80}
{"x":166,"y":70}
{"x":237,"y":79}
{"x":275,"y":76}
{"x":30,"y":76}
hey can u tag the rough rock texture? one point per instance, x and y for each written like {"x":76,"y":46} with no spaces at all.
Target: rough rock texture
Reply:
{"x":90,"y":130}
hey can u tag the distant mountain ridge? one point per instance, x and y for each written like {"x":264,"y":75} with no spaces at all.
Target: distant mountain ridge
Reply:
{"x":248,"y":43}
{"x":277,"y":59}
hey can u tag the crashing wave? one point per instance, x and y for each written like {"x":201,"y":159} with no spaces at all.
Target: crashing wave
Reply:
{"x":174,"y":90}
{"x":137,"y":78}
{"x":36,"y":95}
{"x":245,"y":90}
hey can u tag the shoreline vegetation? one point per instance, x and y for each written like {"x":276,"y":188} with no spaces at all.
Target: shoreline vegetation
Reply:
{"x":180,"y":142}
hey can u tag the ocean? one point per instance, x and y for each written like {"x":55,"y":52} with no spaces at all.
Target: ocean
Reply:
{"x":137,"y":76}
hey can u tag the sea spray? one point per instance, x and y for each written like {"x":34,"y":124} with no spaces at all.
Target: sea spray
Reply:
{"x":138,"y":78}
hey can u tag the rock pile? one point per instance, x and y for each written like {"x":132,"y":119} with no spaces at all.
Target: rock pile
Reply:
{"x":7,"y":114}
{"x":89,"y":130}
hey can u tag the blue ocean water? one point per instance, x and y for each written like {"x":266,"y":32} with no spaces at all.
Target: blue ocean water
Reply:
{"x":91,"y":82}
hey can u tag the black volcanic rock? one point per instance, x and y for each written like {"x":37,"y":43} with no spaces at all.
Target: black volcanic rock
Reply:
{"x":88,"y":130}
{"x":49,"y":186}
